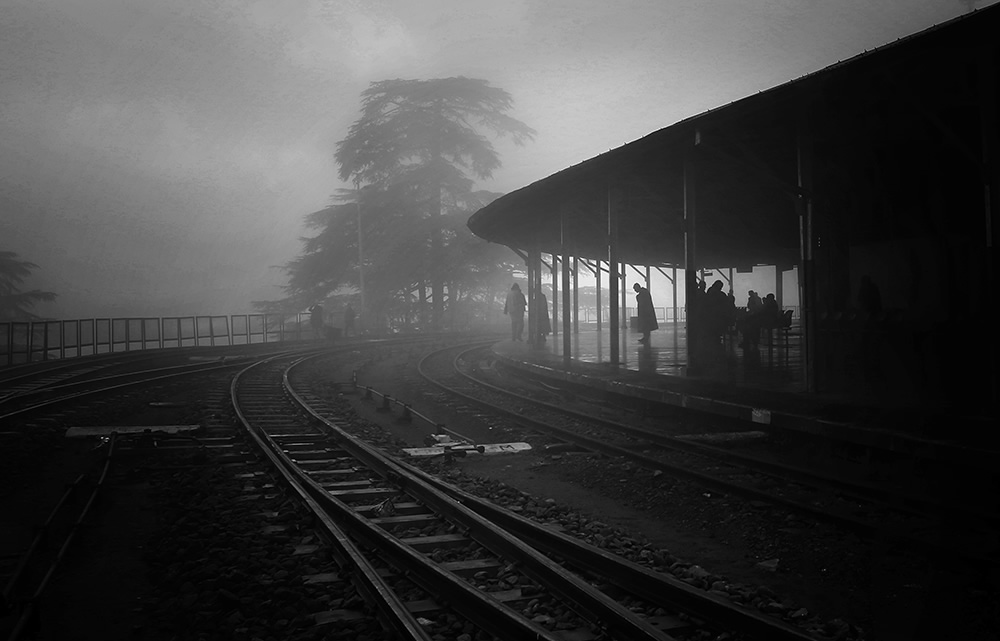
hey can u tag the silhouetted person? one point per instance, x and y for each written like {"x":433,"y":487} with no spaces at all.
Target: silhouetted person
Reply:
{"x":514,"y":307}
{"x":770,"y":314}
{"x":349,"y":316}
{"x":718,"y":312}
{"x":316,"y":320}
{"x":749,"y":324}
{"x":869,"y":298}
{"x":645,"y":314}
{"x":544,"y":324}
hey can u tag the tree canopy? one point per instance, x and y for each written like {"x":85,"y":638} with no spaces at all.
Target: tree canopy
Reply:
{"x":14,"y":303}
{"x":426,"y":131}
{"x":413,"y":156}
{"x":424,"y":136}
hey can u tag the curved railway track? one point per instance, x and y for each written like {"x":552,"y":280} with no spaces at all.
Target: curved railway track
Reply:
{"x":657,"y":591}
{"x":35,"y":420}
{"x":458,"y":558}
{"x":863,"y":509}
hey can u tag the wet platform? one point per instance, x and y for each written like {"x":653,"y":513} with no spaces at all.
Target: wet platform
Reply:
{"x":766,"y":386}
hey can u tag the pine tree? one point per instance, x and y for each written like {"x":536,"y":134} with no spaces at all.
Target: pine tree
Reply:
{"x":423,"y":136}
{"x":14,"y":303}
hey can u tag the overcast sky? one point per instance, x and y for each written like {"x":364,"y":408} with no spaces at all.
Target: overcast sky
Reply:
{"x":157,"y":156}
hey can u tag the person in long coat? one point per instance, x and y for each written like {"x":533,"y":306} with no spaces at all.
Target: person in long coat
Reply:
{"x":514,"y":307}
{"x":645,"y":312}
{"x":544,"y":323}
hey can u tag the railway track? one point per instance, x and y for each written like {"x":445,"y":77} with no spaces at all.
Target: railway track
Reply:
{"x":864,"y":509}
{"x":35,"y":422}
{"x":460,"y":560}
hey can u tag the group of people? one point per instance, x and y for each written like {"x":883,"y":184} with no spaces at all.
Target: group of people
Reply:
{"x":713,"y":312}
{"x":320,"y":329}
{"x":516,"y":305}
{"x":758,"y":313}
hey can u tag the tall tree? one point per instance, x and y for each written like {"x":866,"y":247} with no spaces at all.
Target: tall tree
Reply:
{"x":425,"y":134}
{"x":14,"y":303}
{"x":396,"y":257}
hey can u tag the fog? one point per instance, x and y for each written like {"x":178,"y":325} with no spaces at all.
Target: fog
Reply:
{"x":157,"y":156}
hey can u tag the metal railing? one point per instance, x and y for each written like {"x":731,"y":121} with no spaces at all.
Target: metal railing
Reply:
{"x":663,"y":314}
{"x":25,"y":342}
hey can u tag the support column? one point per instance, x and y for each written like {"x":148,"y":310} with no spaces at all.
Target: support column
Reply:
{"x":567,"y":348}
{"x":624,"y":295}
{"x":600,"y":303}
{"x":649,"y":282}
{"x":673,"y":291}
{"x":690,"y":263}
{"x":989,"y":87}
{"x":778,"y":286}
{"x":567,"y":345}
{"x":613,"y":282}
{"x":534,"y":280}
{"x":807,"y":279}
{"x":576,"y":295}
{"x":555,"y":296}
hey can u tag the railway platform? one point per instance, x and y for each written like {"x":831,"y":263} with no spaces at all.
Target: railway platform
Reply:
{"x":767,"y":389}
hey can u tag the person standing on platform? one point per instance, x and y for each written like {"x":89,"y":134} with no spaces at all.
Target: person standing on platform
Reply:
{"x":544,"y":324}
{"x":514,"y":307}
{"x":645,"y":314}
{"x":349,"y":316}
{"x":316,"y":320}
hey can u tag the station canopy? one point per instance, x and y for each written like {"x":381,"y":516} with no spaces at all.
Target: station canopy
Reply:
{"x":857,"y":121}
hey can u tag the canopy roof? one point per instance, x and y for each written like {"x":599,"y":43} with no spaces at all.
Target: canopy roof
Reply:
{"x":857,"y":113}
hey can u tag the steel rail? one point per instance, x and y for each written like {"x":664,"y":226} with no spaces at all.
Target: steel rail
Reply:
{"x":587,"y":601}
{"x":479,"y":608}
{"x":29,"y":607}
{"x":77,"y":395}
{"x":364,"y":575}
{"x":677,"y":471}
{"x":864,"y":527}
{"x":656,"y":587}
{"x":861,"y":491}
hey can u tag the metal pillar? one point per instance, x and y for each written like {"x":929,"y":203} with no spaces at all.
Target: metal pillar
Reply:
{"x":555,"y":295}
{"x":989,"y":66}
{"x":673,"y":291}
{"x":534,"y":279}
{"x":600,"y":302}
{"x":538,"y":289}
{"x":613,"y":281}
{"x":576,"y":295}
{"x":567,"y":344}
{"x":623,"y":334}
{"x":807,"y":277}
{"x":779,"y":285}
{"x":690,"y":263}
{"x":624,"y":293}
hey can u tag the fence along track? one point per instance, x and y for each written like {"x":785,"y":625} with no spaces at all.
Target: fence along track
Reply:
{"x":325,"y":445}
{"x":122,"y":381}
